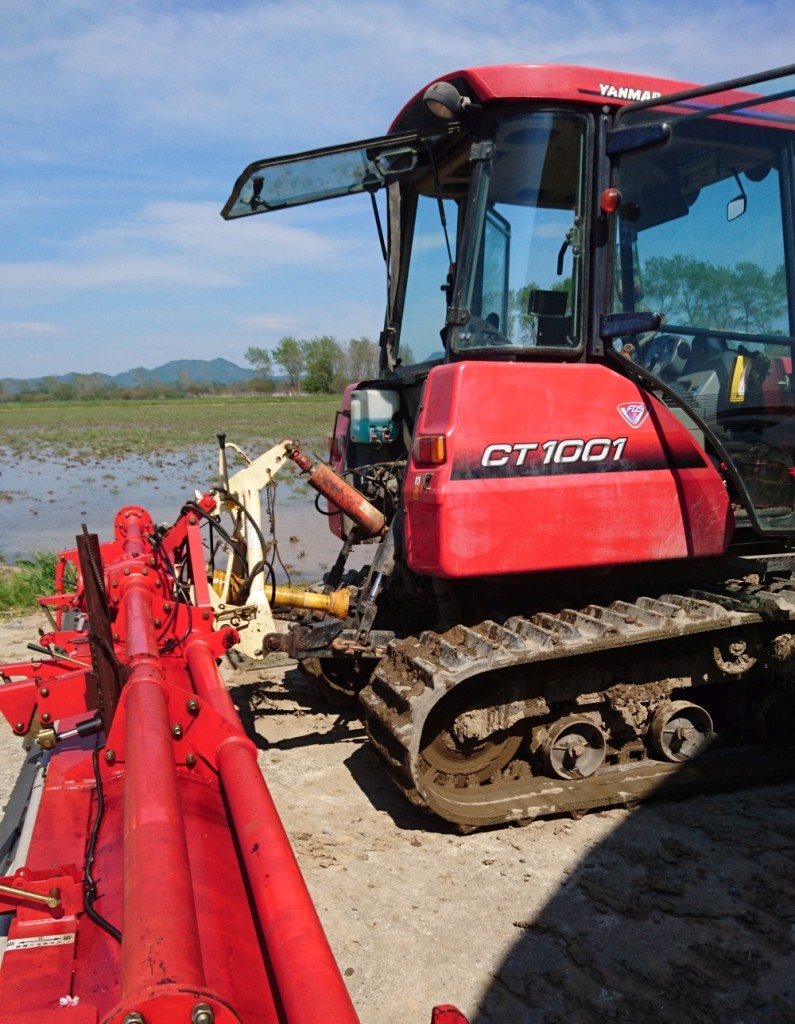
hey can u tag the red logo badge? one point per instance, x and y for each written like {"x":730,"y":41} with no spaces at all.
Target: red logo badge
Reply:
{"x":633,"y":412}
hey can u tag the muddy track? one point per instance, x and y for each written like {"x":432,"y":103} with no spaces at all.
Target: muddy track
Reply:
{"x":496,"y":690}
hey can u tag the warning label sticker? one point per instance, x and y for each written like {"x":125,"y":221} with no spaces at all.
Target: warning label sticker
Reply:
{"x":41,"y":940}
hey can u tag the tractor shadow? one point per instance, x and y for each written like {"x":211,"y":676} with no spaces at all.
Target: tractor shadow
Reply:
{"x":285,"y":691}
{"x":685,"y":914}
{"x":263,"y":695}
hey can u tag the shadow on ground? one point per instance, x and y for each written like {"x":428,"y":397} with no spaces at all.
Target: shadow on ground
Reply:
{"x":296,"y":695}
{"x":684,"y":915}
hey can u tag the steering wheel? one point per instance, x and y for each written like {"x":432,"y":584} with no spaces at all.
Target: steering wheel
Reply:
{"x":490,"y":333}
{"x":666,"y":354}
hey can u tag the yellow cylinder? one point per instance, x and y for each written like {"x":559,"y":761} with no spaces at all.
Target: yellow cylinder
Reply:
{"x":335,"y":603}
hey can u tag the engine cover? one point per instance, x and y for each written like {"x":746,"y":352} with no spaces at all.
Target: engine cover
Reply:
{"x":554,"y":466}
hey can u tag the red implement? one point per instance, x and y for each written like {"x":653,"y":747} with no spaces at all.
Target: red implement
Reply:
{"x":158,"y":883}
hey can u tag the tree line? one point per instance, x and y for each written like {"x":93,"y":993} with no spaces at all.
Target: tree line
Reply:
{"x":743,"y":297}
{"x":87,"y":387}
{"x":316,"y":365}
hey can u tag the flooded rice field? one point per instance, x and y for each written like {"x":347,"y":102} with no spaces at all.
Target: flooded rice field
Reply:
{"x":44,"y":503}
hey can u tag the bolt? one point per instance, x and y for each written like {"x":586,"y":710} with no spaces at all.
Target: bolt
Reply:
{"x":19,"y":727}
{"x":144,"y":571}
{"x":110,"y":756}
{"x":685,"y":732}
{"x":193,"y":706}
{"x":205,"y":615}
{"x":114,"y":582}
{"x":166,"y":606}
{"x":176,"y":730}
{"x":44,"y":692}
{"x":190,"y":760}
{"x":192,"y":520}
{"x":126,"y":570}
{"x":152,"y":562}
{"x":158,"y":623}
{"x":46,"y":717}
{"x":134,"y":1017}
{"x":202,"y":1013}
{"x":115,"y":637}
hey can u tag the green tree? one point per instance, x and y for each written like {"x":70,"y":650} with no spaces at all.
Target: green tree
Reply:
{"x":662,"y":285}
{"x":325,"y":362}
{"x":289,"y":355}
{"x":406,"y":354}
{"x":695,"y":292}
{"x":262,"y":364}
{"x":362,"y":359}
{"x":758,"y":298}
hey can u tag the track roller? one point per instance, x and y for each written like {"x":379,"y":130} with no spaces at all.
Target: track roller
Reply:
{"x":572,"y":748}
{"x":681,"y":731}
{"x":773,"y":717}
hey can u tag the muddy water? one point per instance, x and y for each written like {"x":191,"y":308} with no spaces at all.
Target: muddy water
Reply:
{"x":43,"y":505}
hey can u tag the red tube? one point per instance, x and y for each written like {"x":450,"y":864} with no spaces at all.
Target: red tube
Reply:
{"x":140,"y":641}
{"x":207,"y":681}
{"x":340,"y":493}
{"x":160,"y":941}
{"x":310,"y":986}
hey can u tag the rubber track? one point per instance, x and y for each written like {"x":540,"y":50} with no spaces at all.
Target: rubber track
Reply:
{"x":416,"y":673}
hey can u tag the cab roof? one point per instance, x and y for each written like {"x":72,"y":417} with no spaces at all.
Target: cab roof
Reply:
{"x":562,"y":82}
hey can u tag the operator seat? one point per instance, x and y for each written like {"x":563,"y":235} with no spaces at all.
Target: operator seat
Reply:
{"x":707,"y":377}
{"x":729,"y":385}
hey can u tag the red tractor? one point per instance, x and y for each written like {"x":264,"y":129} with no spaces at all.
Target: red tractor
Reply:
{"x":580,"y":439}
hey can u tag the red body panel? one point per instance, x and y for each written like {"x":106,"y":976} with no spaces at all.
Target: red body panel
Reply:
{"x":545,"y":471}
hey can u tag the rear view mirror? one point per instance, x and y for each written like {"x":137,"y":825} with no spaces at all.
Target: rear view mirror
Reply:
{"x":736,"y":207}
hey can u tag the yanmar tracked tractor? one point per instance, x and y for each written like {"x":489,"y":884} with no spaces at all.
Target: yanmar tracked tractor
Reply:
{"x":580,"y":440}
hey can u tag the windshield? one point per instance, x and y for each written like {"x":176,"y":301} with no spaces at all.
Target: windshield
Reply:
{"x":705,"y":238}
{"x":521,"y":284}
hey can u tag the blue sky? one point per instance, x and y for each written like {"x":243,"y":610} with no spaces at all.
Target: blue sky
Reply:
{"x":125,"y":124}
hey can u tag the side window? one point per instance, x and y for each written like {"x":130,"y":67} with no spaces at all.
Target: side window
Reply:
{"x":425,"y":303}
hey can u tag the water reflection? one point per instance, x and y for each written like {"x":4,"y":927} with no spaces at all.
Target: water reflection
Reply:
{"x":43,"y":504}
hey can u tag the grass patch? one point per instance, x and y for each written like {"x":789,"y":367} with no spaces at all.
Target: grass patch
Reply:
{"x":22,"y":583}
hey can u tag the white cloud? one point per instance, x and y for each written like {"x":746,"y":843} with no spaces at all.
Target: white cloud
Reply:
{"x":280,"y":323}
{"x":16,"y":329}
{"x":301,"y":72}
{"x":175,"y":245}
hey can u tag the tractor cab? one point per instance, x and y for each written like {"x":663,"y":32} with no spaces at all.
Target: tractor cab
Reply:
{"x":541,"y":215}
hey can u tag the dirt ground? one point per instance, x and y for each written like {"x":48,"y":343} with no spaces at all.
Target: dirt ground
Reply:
{"x":676,"y":912}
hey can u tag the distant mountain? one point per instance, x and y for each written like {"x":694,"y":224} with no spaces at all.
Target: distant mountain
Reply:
{"x":198,"y":371}
{"x":201,"y":371}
